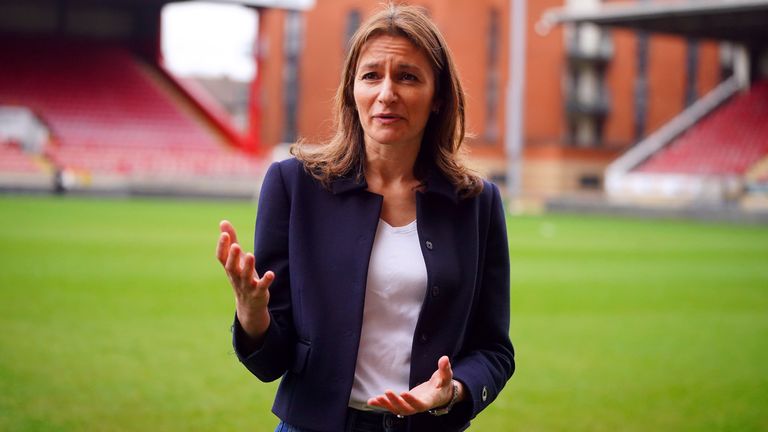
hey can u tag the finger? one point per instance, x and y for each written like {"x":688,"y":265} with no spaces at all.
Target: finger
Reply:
{"x":374,"y":402}
{"x":444,"y":370}
{"x":401,"y":406}
{"x":227,"y":227}
{"x":249,"y":268}
{"x":233,"y":260}
{"x":222,"y":247}
{"x":382,"y":402}
{"x":444,"y":364}
{"x":266,"y":281}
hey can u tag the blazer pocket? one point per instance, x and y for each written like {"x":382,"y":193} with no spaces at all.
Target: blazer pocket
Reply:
{"x":300,"y":356}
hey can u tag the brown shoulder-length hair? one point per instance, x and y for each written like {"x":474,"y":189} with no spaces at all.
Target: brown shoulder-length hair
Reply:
{"x":344,"y":154}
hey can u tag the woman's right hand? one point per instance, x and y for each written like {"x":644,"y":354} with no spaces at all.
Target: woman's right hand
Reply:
{"x":251,"y":291}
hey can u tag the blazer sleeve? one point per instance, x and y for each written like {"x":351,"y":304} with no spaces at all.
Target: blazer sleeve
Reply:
{"x":275,"y":354}
{"x":488,"y":359}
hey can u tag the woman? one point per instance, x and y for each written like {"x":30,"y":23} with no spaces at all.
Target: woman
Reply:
{"x":379,"y":285}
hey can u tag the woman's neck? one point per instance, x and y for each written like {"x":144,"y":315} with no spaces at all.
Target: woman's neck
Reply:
{"x":389,"y":173}
{"x":385,"y":164}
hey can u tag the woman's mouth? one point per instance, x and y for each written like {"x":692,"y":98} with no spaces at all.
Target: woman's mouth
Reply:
{"x":387,"y":118}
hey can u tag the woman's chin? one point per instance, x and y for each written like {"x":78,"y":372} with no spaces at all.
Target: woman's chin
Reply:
{"x":390,"y":139}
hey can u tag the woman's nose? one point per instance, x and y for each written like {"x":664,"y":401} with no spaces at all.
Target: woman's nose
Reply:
{"x":387,"y":93}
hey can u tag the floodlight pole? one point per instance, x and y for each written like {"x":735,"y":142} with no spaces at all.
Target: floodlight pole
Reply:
{"x":513,"y":138}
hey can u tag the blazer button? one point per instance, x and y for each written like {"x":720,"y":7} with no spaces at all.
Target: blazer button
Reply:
{"x":435,"y":291}
{"x":485,"y":393}
{"x":429,"y":245}
{"x":423,"y":338}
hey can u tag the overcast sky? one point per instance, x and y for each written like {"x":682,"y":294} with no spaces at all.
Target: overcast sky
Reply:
{"x":207,"y":39}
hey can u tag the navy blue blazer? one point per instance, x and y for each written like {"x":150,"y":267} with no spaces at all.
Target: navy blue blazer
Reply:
{"x":318,"y":243}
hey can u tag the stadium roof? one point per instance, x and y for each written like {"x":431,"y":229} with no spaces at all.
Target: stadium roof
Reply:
{"x":278,"y":4}
{"x":734,"y":20}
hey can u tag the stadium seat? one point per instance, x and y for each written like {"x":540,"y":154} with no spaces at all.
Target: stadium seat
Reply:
{"x":14,"y":160}
{"x":110,"y":113}
{"x":726,"y":142}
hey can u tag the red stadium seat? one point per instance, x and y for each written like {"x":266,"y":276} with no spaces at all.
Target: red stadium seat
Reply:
{"x":13,"y":159}
{"x":110,"y":113}
{"x":726,"y":142}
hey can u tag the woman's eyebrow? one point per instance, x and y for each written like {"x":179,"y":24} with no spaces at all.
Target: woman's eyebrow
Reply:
{"x":400,"y":66}
{"x":369,"y":65}
{"x":409,"y":66}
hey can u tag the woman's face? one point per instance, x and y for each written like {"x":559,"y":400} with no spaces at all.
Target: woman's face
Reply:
{"x":394,"y":91}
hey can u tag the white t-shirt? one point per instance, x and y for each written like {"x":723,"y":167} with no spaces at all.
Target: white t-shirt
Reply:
{"x":395,"y":290}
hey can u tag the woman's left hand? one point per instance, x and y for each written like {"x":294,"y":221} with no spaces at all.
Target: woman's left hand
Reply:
{"x":434,"y":393}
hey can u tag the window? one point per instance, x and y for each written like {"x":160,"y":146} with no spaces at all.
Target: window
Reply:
{"x":641,"y":85}
{"x":691,"y":70}
{"x":353,"y":22}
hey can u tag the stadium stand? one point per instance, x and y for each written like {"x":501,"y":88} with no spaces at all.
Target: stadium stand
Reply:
{"x":759,"y":172}
{"x":22,"y":138}
{"x":706,"y":156}
{"x":13,"y":159}
{"x":21,"y":170}
{"x":114,"y":117}
{"x":727,"y":142}
{"x":710,"y":160}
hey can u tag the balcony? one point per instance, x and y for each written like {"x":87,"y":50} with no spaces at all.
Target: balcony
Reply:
{"x":593,"y":48}
{"x":597,"y":106}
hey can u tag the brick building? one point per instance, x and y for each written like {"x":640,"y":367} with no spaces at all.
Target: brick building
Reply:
{"x":589,"y":94}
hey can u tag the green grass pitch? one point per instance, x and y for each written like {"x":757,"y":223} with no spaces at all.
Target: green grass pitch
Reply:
{"x":114,"y":316}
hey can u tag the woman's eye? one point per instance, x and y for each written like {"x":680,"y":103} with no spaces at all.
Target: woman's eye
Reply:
{"x":369,"y":76}
{"x":409,"y":77}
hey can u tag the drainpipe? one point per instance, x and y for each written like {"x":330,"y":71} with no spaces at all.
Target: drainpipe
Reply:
{"x":513,"y":138}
